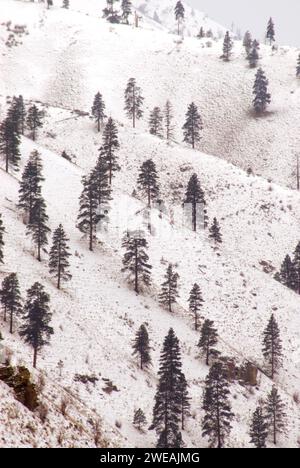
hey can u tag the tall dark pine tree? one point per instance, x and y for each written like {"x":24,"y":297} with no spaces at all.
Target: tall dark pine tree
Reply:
{"x":59,"y":257}
{"x":35,"y":120}
{"x":139,"y":419}
{"x":126,"y":8}
{"x":208,"y":341}
{"x":17,"y":114}
{"x":247,"y":43}
{"x":260,"y":90}
{"x":148,"y":181}
{"x":192,"y":126}
{"x":102,"y":186}
{"x":195,"y":303}
{"x":295,"y":272}
{"x":136,"y":260}
{"x":133,"y":101}
{"x":287,"y":275}
{"x":216,"y":424}
{"x":88,"y":216}
{"x":215,"y":232}
{"x":298,"y":67}
{"x":167,"y":408}
{"x":259,"y":429}
{"x":271,"y":31}
{"x":275,"y":412}
{"x":194,"y":197}
{"x":9,"y":145}
{"x":179,"y":15}
{"x":36,"y":330}
{"x":30,"y":184}
{"x":227,"y":47}
{"x":109,"y":147}
{"x":184,"y":399}
{"x":253,"y":56}
{"x":272,"y":349}
{"x":5,"y":287}
{"x":169,"y":289}
{"x":98,"y":110}
{"x":11,"y":298}
{"x":168,"y":120}
{"x":141,"y":347}
{"x":155,"y":122}
{"x":2,"y":231}
{"x":38,"y":225}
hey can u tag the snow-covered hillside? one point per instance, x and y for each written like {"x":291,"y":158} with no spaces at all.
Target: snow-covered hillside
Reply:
{"x":64,"y":60}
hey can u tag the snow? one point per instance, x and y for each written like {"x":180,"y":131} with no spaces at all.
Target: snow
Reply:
{"x":96,"y":315}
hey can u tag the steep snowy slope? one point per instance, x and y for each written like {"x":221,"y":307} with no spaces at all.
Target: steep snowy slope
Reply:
{"x":96,"y":315}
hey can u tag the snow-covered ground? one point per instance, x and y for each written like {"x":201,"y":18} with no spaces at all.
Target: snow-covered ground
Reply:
{"x":64,"y":60}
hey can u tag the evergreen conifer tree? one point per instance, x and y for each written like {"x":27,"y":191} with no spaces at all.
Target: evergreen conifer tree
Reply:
{"x":148,"y":181}
{"x":109,"y":12}
{"x":295,"y":271}
{"x":179,"y":15}
{"x":169,"y":289}
{"x":194,"y":197}
{"x":272,"y":349}
{"x":275,"y":412}
{"x":109,"y":147}
{"x":4,"y":296}
{"x":195,"y":303}
{"x":167,"y":408}
{"x":287,"y":275}
{"x":184,"y":399}
{"x":2,"y":231}
{"x":126,"y":10}
{"x":201,"y":33}
{"x":34,"y":120}
{"x":247,"y":43}
{"x":227,"y":47}
{"x":141,"y":347}
{"x":88,"y":216}
{"x":139,"y":419}
{"x":66,"y":4}
{"x":258,"y":429}
{"x":59,"y":257}
{"x":216,"y":424}
{"x":102,"y":186}
{"x":11,"y":298}
{"x":17,"y":114}
{"x":155,"y":122}
{"x":30,"y":184}
{"x":271,"y":31}
{"x":135,"y":260}
{"x":215,"y":232}
{"x":98,"y":110}
{"x":9,"y":145}
{"x":253,"y":55}
{"x":168,"y":120}
{"x":260,"y":90}
{"x":37,"y":226}
{"x":208,"y":341}
{"x":133,"y":101}
{"x":192,"y":126}
{"x":36,"y":330}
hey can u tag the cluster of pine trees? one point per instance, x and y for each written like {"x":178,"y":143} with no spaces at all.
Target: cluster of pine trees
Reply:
{"x":113,"y":15}
{"x":289,"y":273}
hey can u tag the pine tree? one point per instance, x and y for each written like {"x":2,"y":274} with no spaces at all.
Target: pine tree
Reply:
{"x":2,"y":231}
{"x":102,"y":186}
{"x":88,"y":216}
{"x":126,"y":10}
{"x":17,"y":114}
{"x":287,"y":275}
{"x":11,"y":298}
{"x":59,"y":257}
{"x":247,"y":43}
{"x":133,"y":101}
{"x":169,"y":289}
{"x":295,"y":271}
{"x":201,"y":33}
{"x":216,"y":423}
{"x":66,"y":4}
{"x":148,"y":181}
{"x":179,"y":14}
{"x":260,"y":90}
{"x":215,"y":232}
{"x":109,"y":147}
{"x":9,"y":145}
{"x":34,"y":120}
{"x":141,"y":347}
{"x":195,"y":197}
{"x":192,"y":126}
{"x":30,"y":184}
{"x":167,"y":408}
{"x":98,"y":110}
{"x":272,"y":349}
{"x":37,"y":226}
{"x":271,"y":31}
{"x":253,"y":56}
{"x":275,"y":412}
{"x":227,"y":47}
{"x":139,"y":419}
{"x":298,"y":67}
{"x":135,"y":260}
{"x":168,"y":120}
{"x":184,"y":399}
{"x":195,"y":303}
{"x":258,"y":429}
{"x":36,"y":330}
{"x":111,"y":15}
{"x":155,"y":122}
{"x":208,"y":340}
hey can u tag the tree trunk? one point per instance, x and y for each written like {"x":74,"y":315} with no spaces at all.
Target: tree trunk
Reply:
{"x":34,"y":357}
{"x":11,"y":322}
{"x":136,"y":280}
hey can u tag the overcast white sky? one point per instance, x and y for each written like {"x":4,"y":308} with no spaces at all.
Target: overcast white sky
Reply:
{"x":254,"y":14}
